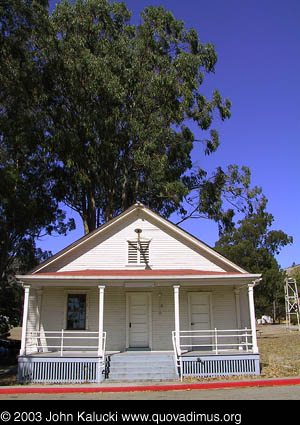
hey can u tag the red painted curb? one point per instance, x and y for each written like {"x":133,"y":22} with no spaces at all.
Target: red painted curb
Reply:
{"x":172,"y":387}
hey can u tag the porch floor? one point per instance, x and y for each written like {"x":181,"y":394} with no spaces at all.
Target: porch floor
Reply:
{"x":195,"y":353}
{"x":94,"y":354}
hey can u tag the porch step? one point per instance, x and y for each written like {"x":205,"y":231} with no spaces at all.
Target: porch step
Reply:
{"x":141,"y":367}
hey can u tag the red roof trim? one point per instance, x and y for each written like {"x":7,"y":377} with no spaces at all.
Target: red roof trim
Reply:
{"x":141,"y":273}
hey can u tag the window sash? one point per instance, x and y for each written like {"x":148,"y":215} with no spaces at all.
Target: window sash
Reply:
{"x":76,"y":312}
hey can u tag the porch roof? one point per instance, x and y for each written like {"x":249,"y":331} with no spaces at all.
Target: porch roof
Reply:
{"x":140,"y":275}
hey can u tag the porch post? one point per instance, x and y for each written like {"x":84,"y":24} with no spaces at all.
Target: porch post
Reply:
{"x":177,"y":318}
{"x":101,"y":315}
{"x":25,"y":316}
{"x":252,"y":317}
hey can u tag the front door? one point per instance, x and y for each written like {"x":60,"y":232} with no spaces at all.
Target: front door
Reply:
{"x":139,"y":320}
{"x":200,"y":320}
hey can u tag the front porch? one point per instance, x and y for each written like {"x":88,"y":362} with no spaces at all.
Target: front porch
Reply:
{"x":129,"y":333}
{"x":63,"y":360}
{"x":83,"y":367}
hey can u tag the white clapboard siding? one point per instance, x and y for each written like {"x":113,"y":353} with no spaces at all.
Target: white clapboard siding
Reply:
{"x":244,"y":308}
{"x":54,"y":311}
{"x":109,"y":250}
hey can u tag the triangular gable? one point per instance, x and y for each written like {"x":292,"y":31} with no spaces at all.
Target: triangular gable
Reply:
{"x":105,"y":247}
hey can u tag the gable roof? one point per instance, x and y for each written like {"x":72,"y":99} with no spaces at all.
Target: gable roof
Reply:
{"x":228,"y":265}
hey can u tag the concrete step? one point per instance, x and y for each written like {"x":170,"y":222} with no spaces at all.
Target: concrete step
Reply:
{"x":133,"y":363}
{"x":140,"y":359}
{"x":141,"y":367}
{"x":142,"y":377}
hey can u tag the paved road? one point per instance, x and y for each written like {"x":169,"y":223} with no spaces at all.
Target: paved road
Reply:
{"x":249,"y":393}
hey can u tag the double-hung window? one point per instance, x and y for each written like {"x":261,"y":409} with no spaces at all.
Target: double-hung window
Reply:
{"x":76,"y":311}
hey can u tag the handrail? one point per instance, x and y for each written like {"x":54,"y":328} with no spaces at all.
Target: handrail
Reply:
{"x":243,"y":338}
{"x":177,"y":357}
{"x":62,"y":336}
{"x":104,"y":345}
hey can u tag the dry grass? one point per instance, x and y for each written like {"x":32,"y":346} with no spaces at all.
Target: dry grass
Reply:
{"x":279,"y":351}
{"x":279,"y":356}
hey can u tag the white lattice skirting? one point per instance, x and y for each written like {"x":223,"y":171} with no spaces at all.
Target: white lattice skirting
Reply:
{"x":221,"y":365}
{"x":60,"y":370}
{"x":80,"y":370}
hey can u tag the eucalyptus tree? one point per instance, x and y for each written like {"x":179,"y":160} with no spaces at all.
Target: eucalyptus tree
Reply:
{"x":96,"y":112}
{"x":27,"y":206}
{"x":120,"y":100}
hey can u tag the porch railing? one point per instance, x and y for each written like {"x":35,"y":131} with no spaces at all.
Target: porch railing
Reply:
{"x":177,"y":357}
{"x":215,"y":340}
{"x":43,"y":341}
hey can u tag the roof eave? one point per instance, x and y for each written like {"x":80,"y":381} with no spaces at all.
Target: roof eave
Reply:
{"x":246,"y":277}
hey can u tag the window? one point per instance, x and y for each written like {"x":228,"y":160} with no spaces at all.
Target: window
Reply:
{"x":76,"y":311}
{"x":138,"y":252}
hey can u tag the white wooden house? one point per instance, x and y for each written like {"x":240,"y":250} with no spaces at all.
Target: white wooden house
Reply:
{"x":138,"y":298}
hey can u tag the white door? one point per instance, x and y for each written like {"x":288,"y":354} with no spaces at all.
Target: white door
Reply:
{"x":200,"y":319}
{"x":139,"y":320}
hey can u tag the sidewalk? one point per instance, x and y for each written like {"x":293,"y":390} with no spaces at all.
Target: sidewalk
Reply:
{"x":145,"y":386}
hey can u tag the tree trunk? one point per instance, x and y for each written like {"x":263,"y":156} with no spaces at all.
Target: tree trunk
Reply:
{"x":91,"y":211}
{"x":136,"y":188}
{"x":89,"y":218}
{"x":85,"y":226}
{"x":274,"y":312}
{"x":124,"y":188}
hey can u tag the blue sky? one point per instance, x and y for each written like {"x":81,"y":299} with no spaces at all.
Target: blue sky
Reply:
{"x":258,"y":69}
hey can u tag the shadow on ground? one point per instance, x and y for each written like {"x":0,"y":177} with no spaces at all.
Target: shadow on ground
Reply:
{"x":8,"y":371}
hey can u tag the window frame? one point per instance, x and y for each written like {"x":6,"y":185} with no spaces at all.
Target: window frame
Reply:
{"x":76,"y":292}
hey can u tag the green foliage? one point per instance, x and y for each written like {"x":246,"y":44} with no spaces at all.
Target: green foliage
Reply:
{"x":27,"y":206}
{"x":105,"y":106}
{"x":96,"y":113}
{"x":252,"y":245}
{"x":119,"y":98}
{"x":220,"y":196}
